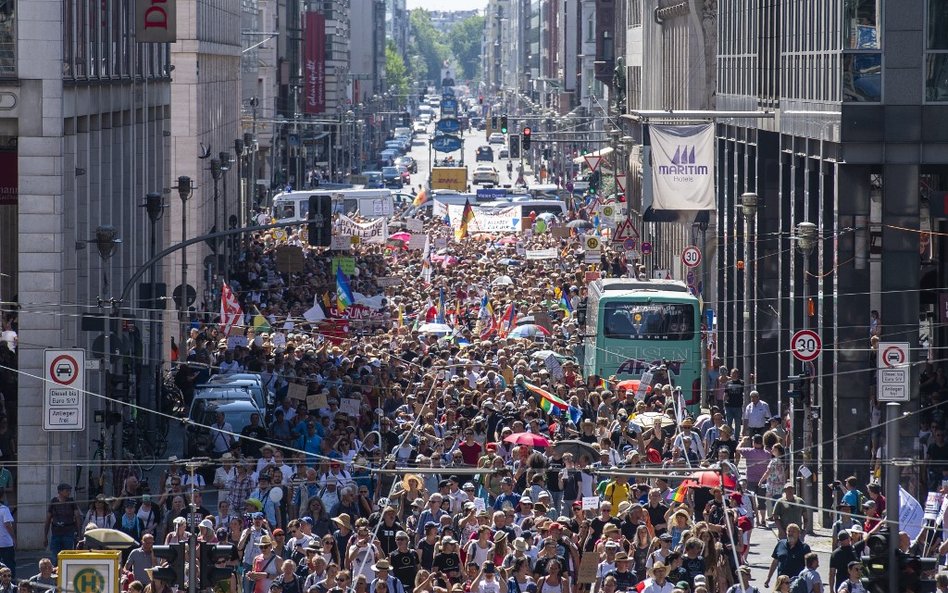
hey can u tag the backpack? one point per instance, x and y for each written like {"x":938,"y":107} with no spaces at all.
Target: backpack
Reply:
{"x":799,"y":585}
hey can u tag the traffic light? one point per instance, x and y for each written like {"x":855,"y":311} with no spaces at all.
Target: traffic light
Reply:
{"x":493,"y":122}
{"x":527,"y":134}
{"x":875,"y":561}
{"x":547,"y":153}
{"x":173,"y":555}
{"x":594,"y":180}
{"x":514,"y":146}
{"x":211,"y":573}
{"x":503,"y":124}
{"x":319,"y":221}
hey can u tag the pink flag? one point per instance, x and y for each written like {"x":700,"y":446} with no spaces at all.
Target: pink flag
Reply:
{"x":231,"y":314}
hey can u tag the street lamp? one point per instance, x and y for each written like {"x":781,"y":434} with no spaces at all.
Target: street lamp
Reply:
{"x":749,"y":210}
{"x":105,"y":242}
{"x":155,"y":207}
{"x":806,"y":236}
{"x":226,"y":161}
{"x":185,"y":189}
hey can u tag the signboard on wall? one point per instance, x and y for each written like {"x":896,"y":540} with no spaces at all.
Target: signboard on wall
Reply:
{"x":155,"y":21}
{"x":9,"y":185}
{"x":314,"y":63}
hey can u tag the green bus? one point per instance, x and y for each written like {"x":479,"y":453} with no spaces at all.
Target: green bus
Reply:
{"x":633,"y":326}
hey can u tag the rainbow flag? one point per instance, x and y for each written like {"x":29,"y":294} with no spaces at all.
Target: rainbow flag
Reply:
{"x":566,"y":306}
{"x":421,"y":198}
{"x":344,"y":297}
{"x":549,"y":403}
{"x":678,"y":494}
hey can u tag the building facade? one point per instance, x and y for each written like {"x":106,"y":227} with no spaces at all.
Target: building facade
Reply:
{"x":84,"y":119}
{"x":857,"y":148}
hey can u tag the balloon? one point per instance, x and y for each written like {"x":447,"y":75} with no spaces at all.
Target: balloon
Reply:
{"x":276,"y":495}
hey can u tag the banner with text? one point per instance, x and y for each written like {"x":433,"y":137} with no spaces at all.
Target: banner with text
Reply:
{"x":488,"y":220}
{"x":682,"y":167}
{"x":155,"y":22}
{"x":314,"y":63}
{"x":368,"y":232}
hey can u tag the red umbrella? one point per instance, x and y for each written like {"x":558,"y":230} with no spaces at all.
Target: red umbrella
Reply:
{"x":711,"y":479}
{"x":527,"y":438}
{"x":632,"y":385}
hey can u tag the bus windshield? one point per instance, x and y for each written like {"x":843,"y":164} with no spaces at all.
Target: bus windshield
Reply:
{"x":649,"y":321}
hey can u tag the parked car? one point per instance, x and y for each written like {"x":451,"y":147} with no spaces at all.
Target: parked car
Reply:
{"x":373,"y":180}
{"x":409,"y":162}
{"x":391,"y":177}
{"x":485,"y":174}
{"x":203,"y":414}
{"x":504,"y":153}
{"x":496,"y":138}
{"x":484,"y":153}
{"x":405,"y":174}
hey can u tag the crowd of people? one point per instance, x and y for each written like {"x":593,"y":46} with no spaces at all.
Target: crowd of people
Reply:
{"x":453,"y":473}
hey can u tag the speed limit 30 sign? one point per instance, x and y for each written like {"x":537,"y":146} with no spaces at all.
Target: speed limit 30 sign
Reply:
{"x":806,"y":345}
{"x":691,"y":256}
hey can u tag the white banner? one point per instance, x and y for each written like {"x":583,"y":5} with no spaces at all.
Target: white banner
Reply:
{"x":682,"y":167}
{"x":911,"y":514}
{"x":369,"y":232}
{"x":488,"y":220}
{"x":541,"y":253}
{"x":439,"y":210}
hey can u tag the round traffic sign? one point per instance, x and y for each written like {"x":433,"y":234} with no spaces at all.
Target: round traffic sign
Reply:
{"x":592,"y":244}
{"x":629,"y":244}
{"x":646,"y":248}
{"x":64,"y":369}
{"x":806,"y":345}
{"x":691,"y":256}
{"x":894,"y":355}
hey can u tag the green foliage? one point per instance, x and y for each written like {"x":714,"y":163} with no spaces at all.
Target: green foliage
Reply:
{"x":428,"y":43}
{"x":396,"y":73}
{"x":465,"y":40}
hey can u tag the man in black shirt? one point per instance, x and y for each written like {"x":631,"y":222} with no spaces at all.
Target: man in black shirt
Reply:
{"x":625,"y":577}
{"x":691,"y":561}
{"x":250,"y":447}
{"x":656,"y":510}
{"x":840,"y":559}
{"x":404,"y":561}
{"x":734,"y":401}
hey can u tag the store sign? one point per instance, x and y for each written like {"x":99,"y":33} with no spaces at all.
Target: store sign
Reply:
{"x":155,"y":21}
{"x":314,"y":63}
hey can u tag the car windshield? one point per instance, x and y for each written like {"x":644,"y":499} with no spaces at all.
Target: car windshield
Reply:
{"x":389,"y":171}
{"x":238,"y":418}
{"x":649,"y":321}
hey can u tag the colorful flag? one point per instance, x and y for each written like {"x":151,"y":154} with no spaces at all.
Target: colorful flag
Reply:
{"x":677,"y":495}
{"x":467,"y":215}
{"x":565,"y":305}
{"x":231,"y":313}
{"x":426,"y":260}
{"x":344,"y":298}
{"x":575,"y":414}
{"x":549,"y":403}
{"x":260,"y":323}
{"x":508,"y":320}
{"x":441,"y":307}
{"x":421,"y":198}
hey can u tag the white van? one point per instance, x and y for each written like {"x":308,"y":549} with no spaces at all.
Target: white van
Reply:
{"x":528,"y":205}
{"x":369,"y":203}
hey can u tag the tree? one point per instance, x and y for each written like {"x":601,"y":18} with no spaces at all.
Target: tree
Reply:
{"x":465,"y":40}
{"x":427,"y":42}
{"x":396,"y":74}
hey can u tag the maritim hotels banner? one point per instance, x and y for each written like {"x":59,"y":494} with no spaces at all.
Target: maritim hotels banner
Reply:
{"x":682,"y":167}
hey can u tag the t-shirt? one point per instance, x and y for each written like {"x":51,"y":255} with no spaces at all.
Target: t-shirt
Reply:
{"x":790,"y":559}
{"x":405,"y":567}
{"x":840,"y":559}
{"x":470,"y":453}
{"x":812,"y":577}
{"x":734,"y":393}
{"x":139,"y":560}
{"x":64,"y":516}
{"x":787,"y":511}
{"x":625,"y":581}
{"x":656,"y":516}
{"x":694,"y":566}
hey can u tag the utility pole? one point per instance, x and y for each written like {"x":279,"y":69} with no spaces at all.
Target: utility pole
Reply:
{"x":192,"y":541}
{"x":749,"y":209}
{"x":807,"y":235}
{"x":184,"y":192}
{"x":892,"y":476}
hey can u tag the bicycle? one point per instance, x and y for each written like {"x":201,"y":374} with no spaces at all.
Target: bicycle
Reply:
{"x":143,"y":445}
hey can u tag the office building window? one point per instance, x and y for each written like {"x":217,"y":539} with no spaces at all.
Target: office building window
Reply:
{"x":936,"y":52}
{"x":7,"y":38}
{"x":862,"y":77}
{"x":861,"y":24}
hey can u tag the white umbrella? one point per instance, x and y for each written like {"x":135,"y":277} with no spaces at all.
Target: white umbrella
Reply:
{"x":440,"y":329}
{"x":502,"y":281}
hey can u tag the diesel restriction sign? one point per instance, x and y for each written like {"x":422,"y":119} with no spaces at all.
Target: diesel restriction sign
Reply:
{"x":893,"y":377}
{"x":806,"y":345}
{"x":64,"y":384}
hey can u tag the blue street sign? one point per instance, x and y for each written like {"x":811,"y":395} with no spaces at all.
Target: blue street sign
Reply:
{"x":492,"y":193}
{"x":449,"y":104}
{"x":446,"y":143}
{"x":646,"y":248}
{"x":709,"y":317}
{"x":448,"y":125}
